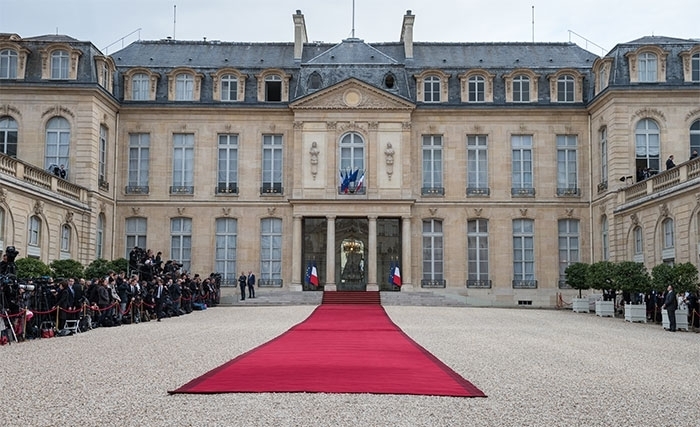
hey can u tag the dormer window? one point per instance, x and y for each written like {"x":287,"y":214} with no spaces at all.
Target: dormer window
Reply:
{"x":59,"y":64}
{"x":566,"y":86}
{"x":389,"y":81}
{"x":476,"y":86}
{"x":431,"y":86}
{"x":273,"y":88}
{"x":139,"y":87}
{"x":521,"y":86}
{"x":521,"y":89}
{"x":184,"y":87}
{"x":315,"y":81}
{"x":646,"y":66}
{"x":691,"y":64}
{"x":229,"y":85}
{"x":8,"y":64}
{"x":565,"y":89}
{"x":431,"y":89}
{"x":229,"y":88}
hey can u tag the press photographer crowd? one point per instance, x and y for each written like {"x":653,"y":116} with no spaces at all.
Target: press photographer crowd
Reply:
{"x":150,"y":290}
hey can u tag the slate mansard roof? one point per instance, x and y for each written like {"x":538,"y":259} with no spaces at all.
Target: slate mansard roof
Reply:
{"x":353,"y":58}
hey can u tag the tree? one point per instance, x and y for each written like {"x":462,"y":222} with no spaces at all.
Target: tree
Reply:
{"x":662,"y":275}
{"x":683,"y":277}
{"x":119,"y":264}
{"x":632,"y":277}
{"x":98,"y":268}
{"x":577,"y":276}
{"x":31,"y":268}
{"x":601,"y":275}
{"x":67,"y":268}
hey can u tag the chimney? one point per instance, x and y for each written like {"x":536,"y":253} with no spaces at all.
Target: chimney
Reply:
{"x":407,"y":34}
{"x":299,"y":34}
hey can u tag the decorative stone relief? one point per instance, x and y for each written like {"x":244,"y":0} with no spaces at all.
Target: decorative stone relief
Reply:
{"x":331,"y":125}
{"x":663,"y":210}
{"x":3,"y":195}
{"x":634,"y":218}
{"x":433,"y":211}
{"x":313,"y":159}
{"x":180,"y":211}
{"x":38,"y":207}
{"x":389,"y":159}
{"x":569,"y":212}
{"x":271,"y":210}
{"x":477,"y":212}
{"x":69,"y":217}
{"x":523,"y":212}
{"x":226,"y":211}
{"x":136,"y":210}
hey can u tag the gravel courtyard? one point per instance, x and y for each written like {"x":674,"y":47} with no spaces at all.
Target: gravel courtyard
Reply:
{"x":538,"y":368}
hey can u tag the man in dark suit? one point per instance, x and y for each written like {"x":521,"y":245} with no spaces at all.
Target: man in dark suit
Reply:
{"x":242,"y":283}
{"x":251,"y":285}
{"x":670,"y":304}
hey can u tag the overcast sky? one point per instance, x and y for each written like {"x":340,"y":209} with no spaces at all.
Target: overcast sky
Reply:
{"x":603,"y":22}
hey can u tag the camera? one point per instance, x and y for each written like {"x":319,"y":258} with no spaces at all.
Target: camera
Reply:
{"x":27,"y":287}
{"x":11,"y":253}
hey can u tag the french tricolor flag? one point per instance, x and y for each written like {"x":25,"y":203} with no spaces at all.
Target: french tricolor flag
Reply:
{"x":396,"y":276}
{"x":313,"y":277}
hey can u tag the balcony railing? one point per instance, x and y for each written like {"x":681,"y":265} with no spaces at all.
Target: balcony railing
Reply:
{"x":136,"y":189}
{"x":478,"y":191}
{"x":433,"y":283}
{"x":181,"y":189}
{"x":270,"y":283}
{"x":271,"y":189}
{"x":479,"y":284}
{"x":568,"y":192}
{"x":665,"y":180}
{"x":38,"y":177}
{"x":432,"y":191}
{"x":522,"y":192}
{"x":227,"y":188}
{"x":524,"y":284}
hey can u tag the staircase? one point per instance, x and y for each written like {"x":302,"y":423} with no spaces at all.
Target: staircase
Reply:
{"x":351,"y":297}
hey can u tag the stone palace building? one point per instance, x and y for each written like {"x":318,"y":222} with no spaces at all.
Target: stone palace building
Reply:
{"x":479,"y":169}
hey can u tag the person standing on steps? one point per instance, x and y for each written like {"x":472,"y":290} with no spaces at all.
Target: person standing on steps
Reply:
{"x":670,"y":304}
{"x":242,"y":281}
{"x":251,"y":284}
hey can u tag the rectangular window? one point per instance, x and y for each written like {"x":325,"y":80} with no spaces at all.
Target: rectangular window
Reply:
{"x":565,"y":89}
{"x":135,"y":234}
{"x":34,"y":231}
{"x":227,"y":182}
{"x":567,"y":169}
{"x":521,"y":89}
{"x":272,"y":164}
{"x":181,"y":241}
{"x":8,"y":64}
{"x":59,"y":65}
{"x":8,"y":136}
{"x":638,"y":241}
{"x":229,"y":88}
{"x":568,"y":245}
{"x":524,"y":253}
{"x":432,"y":165}
{"x":522,"y":165}
{"x":100,"y":237}
{"x":477,"y":165}
{"x":139,"y":159}
{"x":271,"y":250}
{"x":184,"y":87}
{"x":431,"y":89}
{"x":139,"y":87}
{"x":695,"y":67}
{"x":432,"y":253}
{"x":477,"y":89}
{"x":183,"y":163}
{"x":478,"y":254}
{"x":225,"y":252}
{"x":102,"y":162}
{"x":647,"y":67}
{"x":604,"y":156}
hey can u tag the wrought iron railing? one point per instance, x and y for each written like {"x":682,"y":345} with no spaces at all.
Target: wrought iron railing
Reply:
{"x":522,"y":192}
{"x":270,"y":283}
{"x":136,"y":189}
{"x":479,"y":284}
{"x":433,"y":283}
{"x":478,"y":191}
{"x":432,"y":191}
{"x":524,"y":284}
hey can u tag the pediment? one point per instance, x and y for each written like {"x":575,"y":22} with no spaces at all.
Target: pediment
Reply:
{"x":352,"y":94}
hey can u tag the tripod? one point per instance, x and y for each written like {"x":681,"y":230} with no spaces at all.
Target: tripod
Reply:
{"x":7,"y":324}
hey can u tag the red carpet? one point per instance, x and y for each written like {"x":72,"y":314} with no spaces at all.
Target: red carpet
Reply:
{"x":338,"y":349}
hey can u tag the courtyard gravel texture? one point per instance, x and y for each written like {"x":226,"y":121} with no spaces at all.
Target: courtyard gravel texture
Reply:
{"x":538,"y":368}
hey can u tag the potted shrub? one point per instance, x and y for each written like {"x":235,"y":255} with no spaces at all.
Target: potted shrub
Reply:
{"x":684,"y":278}
{"x":601,"y":275}
{"x":633,"y":277}
{"x":576,"y":278}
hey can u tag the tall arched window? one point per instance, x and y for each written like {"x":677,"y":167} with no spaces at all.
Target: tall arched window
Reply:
{"x":352,"y":159}
{"x":2,"y":228}
{"x":8,"y":136}
{"x":638,"y":241}
{"x":100,"y":237}
{"x":478,"y":253}
{"x":65,"y":241}
{"x":668,"y":241}
{"x":34,"y":238}
{"x":57,"y":142}
{"x":647,"y":145}
{"x":225,"y":252}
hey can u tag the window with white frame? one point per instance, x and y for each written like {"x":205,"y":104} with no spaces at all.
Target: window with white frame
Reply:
{"x":183,"y":163}
{"x":524,"y":253}
{"x":136,"y":231}
{"x":647,"y":145}
{"x":8,"y":136}
{"x":477,"y":165}
{"x":271,"y":250}
{"x":227,"y":182}
{"x":65,"y":241}
{"x":668,"y":238}
{"x":646,"y":67}
{"x":57,"y":142}
{"x":225,"y":252}
{"x":565,"y":88}
{"x":695,"y":67}
{"x":352,"y":159}
{"x":568,"y":245}
{"x":181,"y":241}
{"x":521,"y":89}
{"x":478,"y":253}
{"x":8,"y":64}
{"x":694,"y":137}
{"x":605,"y":246}
{"x":602,"y":78}
{"x":522,"y":174}
{"x":432,"y":165}
{"x":229,"y":87}
{"x":100,"y":237}
{"x":184,"y":87}
{"x":273,"y":88}
{"x":476,"y":89}
{"x":431,"y":89}
{"x":638,"y":241}
{"x":433,"y":258}
{"x":34,"y":231}
{"x":139,"y":87}
{"x":272,"y":164}
{"x":102,"y":161}
{"x":139,"y":162}
{"x":59,"y":64}
{"x":567,"y":168}
{"x":604,"y":156}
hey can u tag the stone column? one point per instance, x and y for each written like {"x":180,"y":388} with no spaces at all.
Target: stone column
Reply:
{"x":296,"y":255}
{"x":371,"y":261}
{"x":407,"y":284}
{"x":330,"y":284}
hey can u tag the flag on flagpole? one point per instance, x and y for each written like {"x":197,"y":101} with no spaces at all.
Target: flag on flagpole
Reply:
{"x":396,"y":276}
{"x":359,"y":182}
{"x":313,"y":277}
{"x":344,"y":181}
{"x":307,"y":277}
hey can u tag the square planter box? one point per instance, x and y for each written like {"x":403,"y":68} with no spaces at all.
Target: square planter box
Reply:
{"x":605,"y":308}
{"x":580,"y":305}
{"x":681,"y":319}
{"x":636,"y":313}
